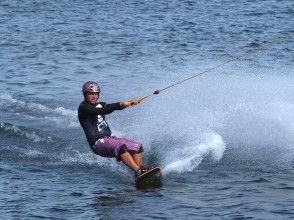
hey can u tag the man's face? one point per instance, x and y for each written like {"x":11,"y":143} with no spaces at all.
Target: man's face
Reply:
{"x":92,"y":97}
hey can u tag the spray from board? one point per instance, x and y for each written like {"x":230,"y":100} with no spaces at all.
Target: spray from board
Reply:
{"x":243,"y":109}
{"x":249,"y":110}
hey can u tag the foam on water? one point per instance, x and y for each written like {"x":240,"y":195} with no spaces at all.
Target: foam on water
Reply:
{"x":31,"y":135}
{"x":59,"y":115}
{"x":187,"y":158}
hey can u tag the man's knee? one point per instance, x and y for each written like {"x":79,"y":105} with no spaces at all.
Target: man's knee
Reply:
{"x":140,"y":149}
{"x":123,"y":149}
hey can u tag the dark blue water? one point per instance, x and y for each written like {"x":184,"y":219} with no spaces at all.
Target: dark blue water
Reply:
{"x":225,"y":140}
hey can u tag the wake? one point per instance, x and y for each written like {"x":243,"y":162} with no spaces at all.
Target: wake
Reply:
{"x":186,"y":159}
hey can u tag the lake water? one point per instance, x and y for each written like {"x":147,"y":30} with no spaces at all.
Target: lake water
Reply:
{"x":225,"y":140}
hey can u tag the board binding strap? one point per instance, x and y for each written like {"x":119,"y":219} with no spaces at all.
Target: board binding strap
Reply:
{"x":150,"y":179}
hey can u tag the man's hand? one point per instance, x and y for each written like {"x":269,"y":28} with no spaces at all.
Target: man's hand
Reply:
{"x":131,"y":102}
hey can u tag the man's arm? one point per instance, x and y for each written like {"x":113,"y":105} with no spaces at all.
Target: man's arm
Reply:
{"x":104,"y":110}
{"x":107,"y":108}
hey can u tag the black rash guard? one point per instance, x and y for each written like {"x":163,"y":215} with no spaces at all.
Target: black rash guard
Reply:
{"x":92,"y":119}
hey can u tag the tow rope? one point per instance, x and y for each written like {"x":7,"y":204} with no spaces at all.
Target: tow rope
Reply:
{"x":276,"y":40}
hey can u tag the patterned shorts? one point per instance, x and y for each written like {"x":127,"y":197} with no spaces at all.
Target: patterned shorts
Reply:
{"x":112,"y":147}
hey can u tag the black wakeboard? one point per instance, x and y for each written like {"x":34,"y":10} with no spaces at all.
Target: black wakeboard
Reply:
{"x":150,"y":179}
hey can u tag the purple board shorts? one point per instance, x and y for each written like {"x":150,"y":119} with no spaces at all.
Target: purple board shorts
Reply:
{"x":110,"y":147}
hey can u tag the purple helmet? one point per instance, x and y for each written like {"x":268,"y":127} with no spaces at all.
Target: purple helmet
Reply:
{"x":90,"y":86}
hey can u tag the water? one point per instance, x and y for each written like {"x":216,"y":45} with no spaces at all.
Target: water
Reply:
{"x":224,"y":140}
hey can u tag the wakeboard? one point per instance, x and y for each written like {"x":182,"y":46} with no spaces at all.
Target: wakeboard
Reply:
{"x":150,"y":179}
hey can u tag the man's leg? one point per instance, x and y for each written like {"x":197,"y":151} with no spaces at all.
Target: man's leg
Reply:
{"x":128,"y":160}
{"x":127,"y":151}
{"x":138,"y":159}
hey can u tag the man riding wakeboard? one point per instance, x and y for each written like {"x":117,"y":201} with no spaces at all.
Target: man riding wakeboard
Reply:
{"x":91,"y":115}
